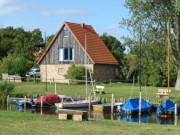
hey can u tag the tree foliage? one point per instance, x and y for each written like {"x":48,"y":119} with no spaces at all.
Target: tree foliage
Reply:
{"x":152,"y":16}
{"x":129,"y":65}
{"x":114,"y":45}
{"x":6,"y":88}
{"x":16,"y":49}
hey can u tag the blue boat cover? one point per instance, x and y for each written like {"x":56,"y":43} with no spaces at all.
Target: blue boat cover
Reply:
{"x":168,"y":105}
{"x":133,"y":105}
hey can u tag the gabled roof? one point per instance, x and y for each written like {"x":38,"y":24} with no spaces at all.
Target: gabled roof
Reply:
{"x":97,"y":51}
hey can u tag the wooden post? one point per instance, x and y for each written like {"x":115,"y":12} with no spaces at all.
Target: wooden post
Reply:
{"x":7,"y":101}
{"x":89,"y":102}
{"x":176,"y":120}
{"x":41,"y":101}
{"x":106,"y":99}
{"x":24,"y":101}
{"x":34,"y":79}
{"x":140,"y":98}
{"x":175,"y":110}
{"x":103,"y":100}
{"x":50,"y":81}
{"x":112,"y":106}
{"x":61,"y":90}
{"x":139,"y":118}
{"x":55,"y":89}
{"x":62,"y":100}
{"x":69,"y":82}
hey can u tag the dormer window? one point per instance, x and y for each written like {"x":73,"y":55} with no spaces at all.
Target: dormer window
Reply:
{"x":66,"y":32}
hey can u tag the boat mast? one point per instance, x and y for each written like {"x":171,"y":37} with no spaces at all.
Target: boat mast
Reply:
{"x":140,"y":95}
{"x":86,"y":63}
{"x":168,"y":56}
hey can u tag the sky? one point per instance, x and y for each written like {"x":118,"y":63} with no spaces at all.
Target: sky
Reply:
{"x":49,"y":15}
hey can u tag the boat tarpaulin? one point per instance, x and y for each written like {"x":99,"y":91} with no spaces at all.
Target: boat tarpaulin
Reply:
{"x":167,"y":105}
{"x":133,"y":105}
{"x":50,"y":99}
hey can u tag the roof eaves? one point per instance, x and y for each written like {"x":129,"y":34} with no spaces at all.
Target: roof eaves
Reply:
{"x":79,"y":43}
{"x":50,"y":44}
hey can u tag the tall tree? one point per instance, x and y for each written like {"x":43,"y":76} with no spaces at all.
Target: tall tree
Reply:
{"x":155,"y":15}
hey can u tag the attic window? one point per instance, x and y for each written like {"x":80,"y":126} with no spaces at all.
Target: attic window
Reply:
{"x":65,"y":54}
{"x":65,"y":32}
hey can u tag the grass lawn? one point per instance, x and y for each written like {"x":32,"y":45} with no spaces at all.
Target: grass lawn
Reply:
{"x":120,"y":90}
{"x":18,"y":123}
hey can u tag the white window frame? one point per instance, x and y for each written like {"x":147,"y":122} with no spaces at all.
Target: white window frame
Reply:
{"x":60,"y":71}
{"x":61,"y":54}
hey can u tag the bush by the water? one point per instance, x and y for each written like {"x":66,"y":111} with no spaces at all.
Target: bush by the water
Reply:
{"x":6,"y":88}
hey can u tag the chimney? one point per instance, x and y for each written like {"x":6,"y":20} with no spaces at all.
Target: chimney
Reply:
{"x":83,"y":25}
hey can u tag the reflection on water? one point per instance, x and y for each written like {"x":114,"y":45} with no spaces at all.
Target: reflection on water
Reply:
{"x":145,"y":118}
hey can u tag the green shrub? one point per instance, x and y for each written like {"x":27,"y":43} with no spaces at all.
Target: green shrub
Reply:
{"x":76,"y":72}
{"x":6,"y":88}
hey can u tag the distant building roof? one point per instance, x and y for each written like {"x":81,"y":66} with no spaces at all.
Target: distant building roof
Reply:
{"x":97,"y":51}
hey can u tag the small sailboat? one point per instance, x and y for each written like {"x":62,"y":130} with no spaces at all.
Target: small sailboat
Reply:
{"x":132,"y":106}
{"x":167,"y":108}
{"x":49,"y":100}
{"x":136,"y":105}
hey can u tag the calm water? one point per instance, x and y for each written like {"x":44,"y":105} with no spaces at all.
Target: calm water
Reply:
{"x":146,"y":118}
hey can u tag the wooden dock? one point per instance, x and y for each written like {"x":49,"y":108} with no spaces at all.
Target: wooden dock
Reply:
{"x":105,"y":108}
{"x":76,"y":115}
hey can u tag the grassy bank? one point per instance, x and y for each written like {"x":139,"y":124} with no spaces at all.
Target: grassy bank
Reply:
{"x":18,"y":123}
{"x":118,"y":89}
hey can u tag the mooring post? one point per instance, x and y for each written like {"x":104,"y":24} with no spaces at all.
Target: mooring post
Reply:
{"x":89,"y":102}
{"x":140,"y":98}
{"x":112,"y":106}
{"x":41,"y":102}
{"x":175,"y":110}
{"x":55,"y":89}
{"x":62,"y":100}
{"x":7,"y":101}
{"x":24,"y":102}
{"x":176,"y":116}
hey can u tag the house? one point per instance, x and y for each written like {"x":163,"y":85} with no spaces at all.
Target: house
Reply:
{"x":68,"y":47}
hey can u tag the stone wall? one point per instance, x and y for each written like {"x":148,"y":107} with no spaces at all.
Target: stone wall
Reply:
{"x":103,"y":73}
{"x":11,"y":78}
{"x":53,"y":73}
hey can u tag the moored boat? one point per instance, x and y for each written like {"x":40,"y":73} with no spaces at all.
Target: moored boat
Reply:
{"x":76,"y":104}
{"x":49,"y":100}
{"x":132,"y":106}
{"x":166,"y":109}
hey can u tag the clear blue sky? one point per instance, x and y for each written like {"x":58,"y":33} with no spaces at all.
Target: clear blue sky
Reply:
{"x":48,"y":15}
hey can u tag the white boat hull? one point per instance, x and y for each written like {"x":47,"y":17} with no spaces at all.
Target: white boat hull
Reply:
{"x":76,"y":104}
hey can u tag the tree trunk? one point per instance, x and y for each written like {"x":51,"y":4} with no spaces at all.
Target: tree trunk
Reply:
{"x":177,"y":87}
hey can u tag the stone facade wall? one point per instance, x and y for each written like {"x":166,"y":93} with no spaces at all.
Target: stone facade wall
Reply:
{"x":103,"y":73}
{"x":53,"y":73}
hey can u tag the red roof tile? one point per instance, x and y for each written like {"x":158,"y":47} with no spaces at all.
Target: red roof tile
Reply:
{"x":97,"y":51}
